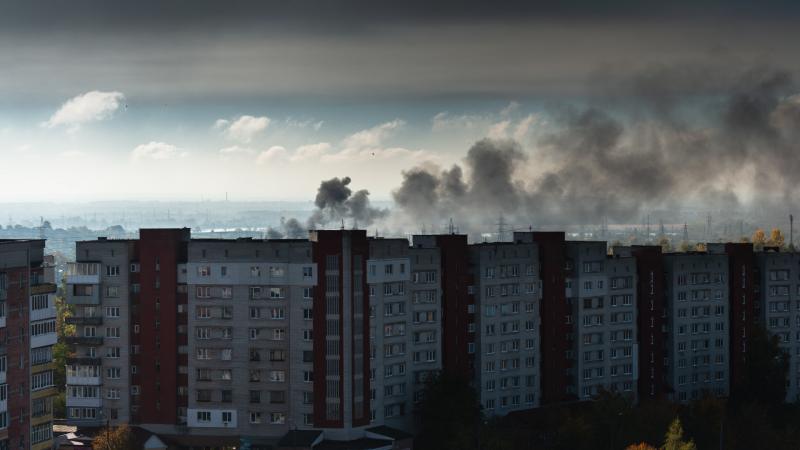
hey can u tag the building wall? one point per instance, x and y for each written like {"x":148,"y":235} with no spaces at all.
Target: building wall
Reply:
{"x":341,"y":332}
{"x":651,"y":317}
{"x":405,"y":327}
{"x":507,"y":286}
{"x":602,"y":293}
{"x":250,"y":349}
{"x":27,"y":331}
{"x":105,"y":398}
{"x":698,"y":322}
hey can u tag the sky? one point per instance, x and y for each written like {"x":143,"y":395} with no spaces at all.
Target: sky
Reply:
{"x":191,"y":100}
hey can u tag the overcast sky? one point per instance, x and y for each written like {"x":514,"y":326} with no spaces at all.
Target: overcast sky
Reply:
{"x":192,"y":99}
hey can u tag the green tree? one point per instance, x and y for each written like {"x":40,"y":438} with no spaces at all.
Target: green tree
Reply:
{"x":449,"y":415}
{"x":765,"y":370}
{"x":673,"y":440}
{"x":118,"y":438}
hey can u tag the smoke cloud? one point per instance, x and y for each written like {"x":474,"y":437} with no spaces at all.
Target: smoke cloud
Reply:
{"x":336,"y":202}
{"x":680,"y":139}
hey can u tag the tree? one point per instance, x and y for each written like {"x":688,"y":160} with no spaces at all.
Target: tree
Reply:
{"x":776,"y":238}
{"x":666,"y":245}
{"x":640,"y":446}
{"x":700,"y":247}
{"x":759,"y":239}
{"x":449,"y":415}
{"x":765,"y":370}
{"x":119,"y":438}
{"x":673,"y":440}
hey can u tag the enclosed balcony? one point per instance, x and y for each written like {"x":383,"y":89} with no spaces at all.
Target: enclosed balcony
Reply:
{"x":84,"y":340}
{"x":84,"y":320}
{"x":83,"y":273}
{"x":83,"y":294}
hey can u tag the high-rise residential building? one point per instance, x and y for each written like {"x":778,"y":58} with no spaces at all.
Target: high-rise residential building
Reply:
{"x":507,"y":349}
{"x":556,"y":332}
{"x":651,"y":315}
{"x":778,"y":275}
{"x":742,"y":282}
{"x":697,"y":306}
{"x":128,"y":361}
{"x":405,"y":327}
{"x":601,"y":291}
{"x":28,"y":333}
{"x":251,"y":312}
{"x":457,"y":301}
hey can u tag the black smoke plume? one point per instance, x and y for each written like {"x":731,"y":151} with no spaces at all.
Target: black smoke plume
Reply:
{"x":336,"y":202}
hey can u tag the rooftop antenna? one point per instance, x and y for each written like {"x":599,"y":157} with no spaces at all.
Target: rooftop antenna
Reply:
{"x":685,"y":232}
{"x":708,"y":228}
{"x":451,"y":227}
{"x":661,"y":230}
{"x":342,"y":223}
{"x":791,"y":232}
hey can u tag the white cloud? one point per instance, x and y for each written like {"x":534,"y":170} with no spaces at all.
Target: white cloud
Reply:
{"x":499,"y":130}
{"x":372,"y":137}
{"x":156,"y":151}
{"x":524,"y":127}
{"x":89,"y":107}
{"x":272,"y":154}
{"x":243,"y":129}
{"x":311,"y":151}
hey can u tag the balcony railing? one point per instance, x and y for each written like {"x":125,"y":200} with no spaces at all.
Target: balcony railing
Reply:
{"x":84,"y":361}
{"x":95,"y":320}
{"x":84,"y":340}
{"x":43,"y":288}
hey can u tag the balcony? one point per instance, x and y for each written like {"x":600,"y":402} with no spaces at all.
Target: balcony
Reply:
{"x":43,"y":288}
{"x":73,"y":380}
{"x":83,"y":320}
{"x":84,"y":361}
{"x":83,"y":273}
{"x":83,"y":294}
{"x":84,"y":340}
{"x":43,"y":340}
{"x":84,"y":402}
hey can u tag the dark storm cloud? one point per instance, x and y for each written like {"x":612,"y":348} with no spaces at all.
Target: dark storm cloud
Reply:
{"x":345,"y":14}
{"x":683,"y":144}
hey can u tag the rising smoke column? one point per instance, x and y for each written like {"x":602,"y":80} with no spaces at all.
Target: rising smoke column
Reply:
{"x":335,"y":201}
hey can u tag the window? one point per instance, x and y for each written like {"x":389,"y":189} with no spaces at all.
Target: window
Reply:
{"x":308,"y":272}
{"x":112,"y":271}
{"x":204,"y":271}
{"x":204,"y":416}
{"x":255,"y":417}
{"x":112,"y":311}
{"x":308,"y":293}
{"x":112,"y":332}
{"x":112,"y":352}
{"x":227,"y":416}
{"x":203,"y":291}
{"x":277,"y":418}
{"x":113,"y":373}
{"x":308,"y":314}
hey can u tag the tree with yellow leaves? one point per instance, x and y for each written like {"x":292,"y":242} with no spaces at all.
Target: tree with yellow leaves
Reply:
{"x":118,"y":438}
{"x":776,"y":238}
{"x":759,"y":239}
{"x":640,"y":446}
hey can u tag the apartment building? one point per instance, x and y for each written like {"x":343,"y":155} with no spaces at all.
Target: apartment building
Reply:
{"x":405,"y":327}
{"x":697,"y":341}
{"x":778,"y":285}
{"x":601,"y":291}
{"x":128,"y":359}
{"x":507,"y":345}
{"x":250,"y":341}
{"x":27,"y":333}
